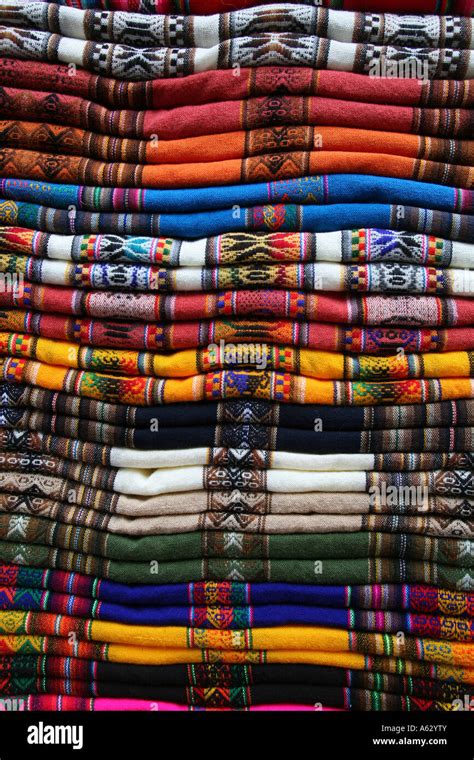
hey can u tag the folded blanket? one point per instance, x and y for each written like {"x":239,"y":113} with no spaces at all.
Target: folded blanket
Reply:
{"x":30,"y":164}
{"x":312,"y":638}
{"x":180,"y":31}
{"x":364,"y":278}
{"x":212,"y":86}
{"x":361,"y":246}
{"x":217,"y":698}
{"x":270,"y":386}
{"x":19,"y":443}
{"x":66,"y":514}
{"x":157,"y":335}
{"x":264,"y":49}
{"x":230,"y":145}
{"x":235,"y":618}
{"x":233,"y":695}
{"x":21,"y":459}
{"x":322,"y":189}
{"x":243,"y":437}
{"x":329,"y":571}
{"x":279,"y":218}
{"x":450,"y":495}
{"x":203,"y":675}
{"x":241,"y":511}
{"x":222,"y":545}
{"x":59,"y":703}
{"x":427,"y":599}
{"x":428,"y":415}
{"x":324,"y":365}
{"x":463,"y":7}
{"x":138,"y":482}
{"x":207,"y":676}
{"x":94,"y":652}
{"x":380,"y":311}
{"x":250,"y":113}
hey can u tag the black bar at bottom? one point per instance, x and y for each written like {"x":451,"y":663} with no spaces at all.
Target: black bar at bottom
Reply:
{"x":210,"y":735}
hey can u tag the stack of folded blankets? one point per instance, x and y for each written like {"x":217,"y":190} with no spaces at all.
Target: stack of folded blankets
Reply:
{"x":236,"y":355}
